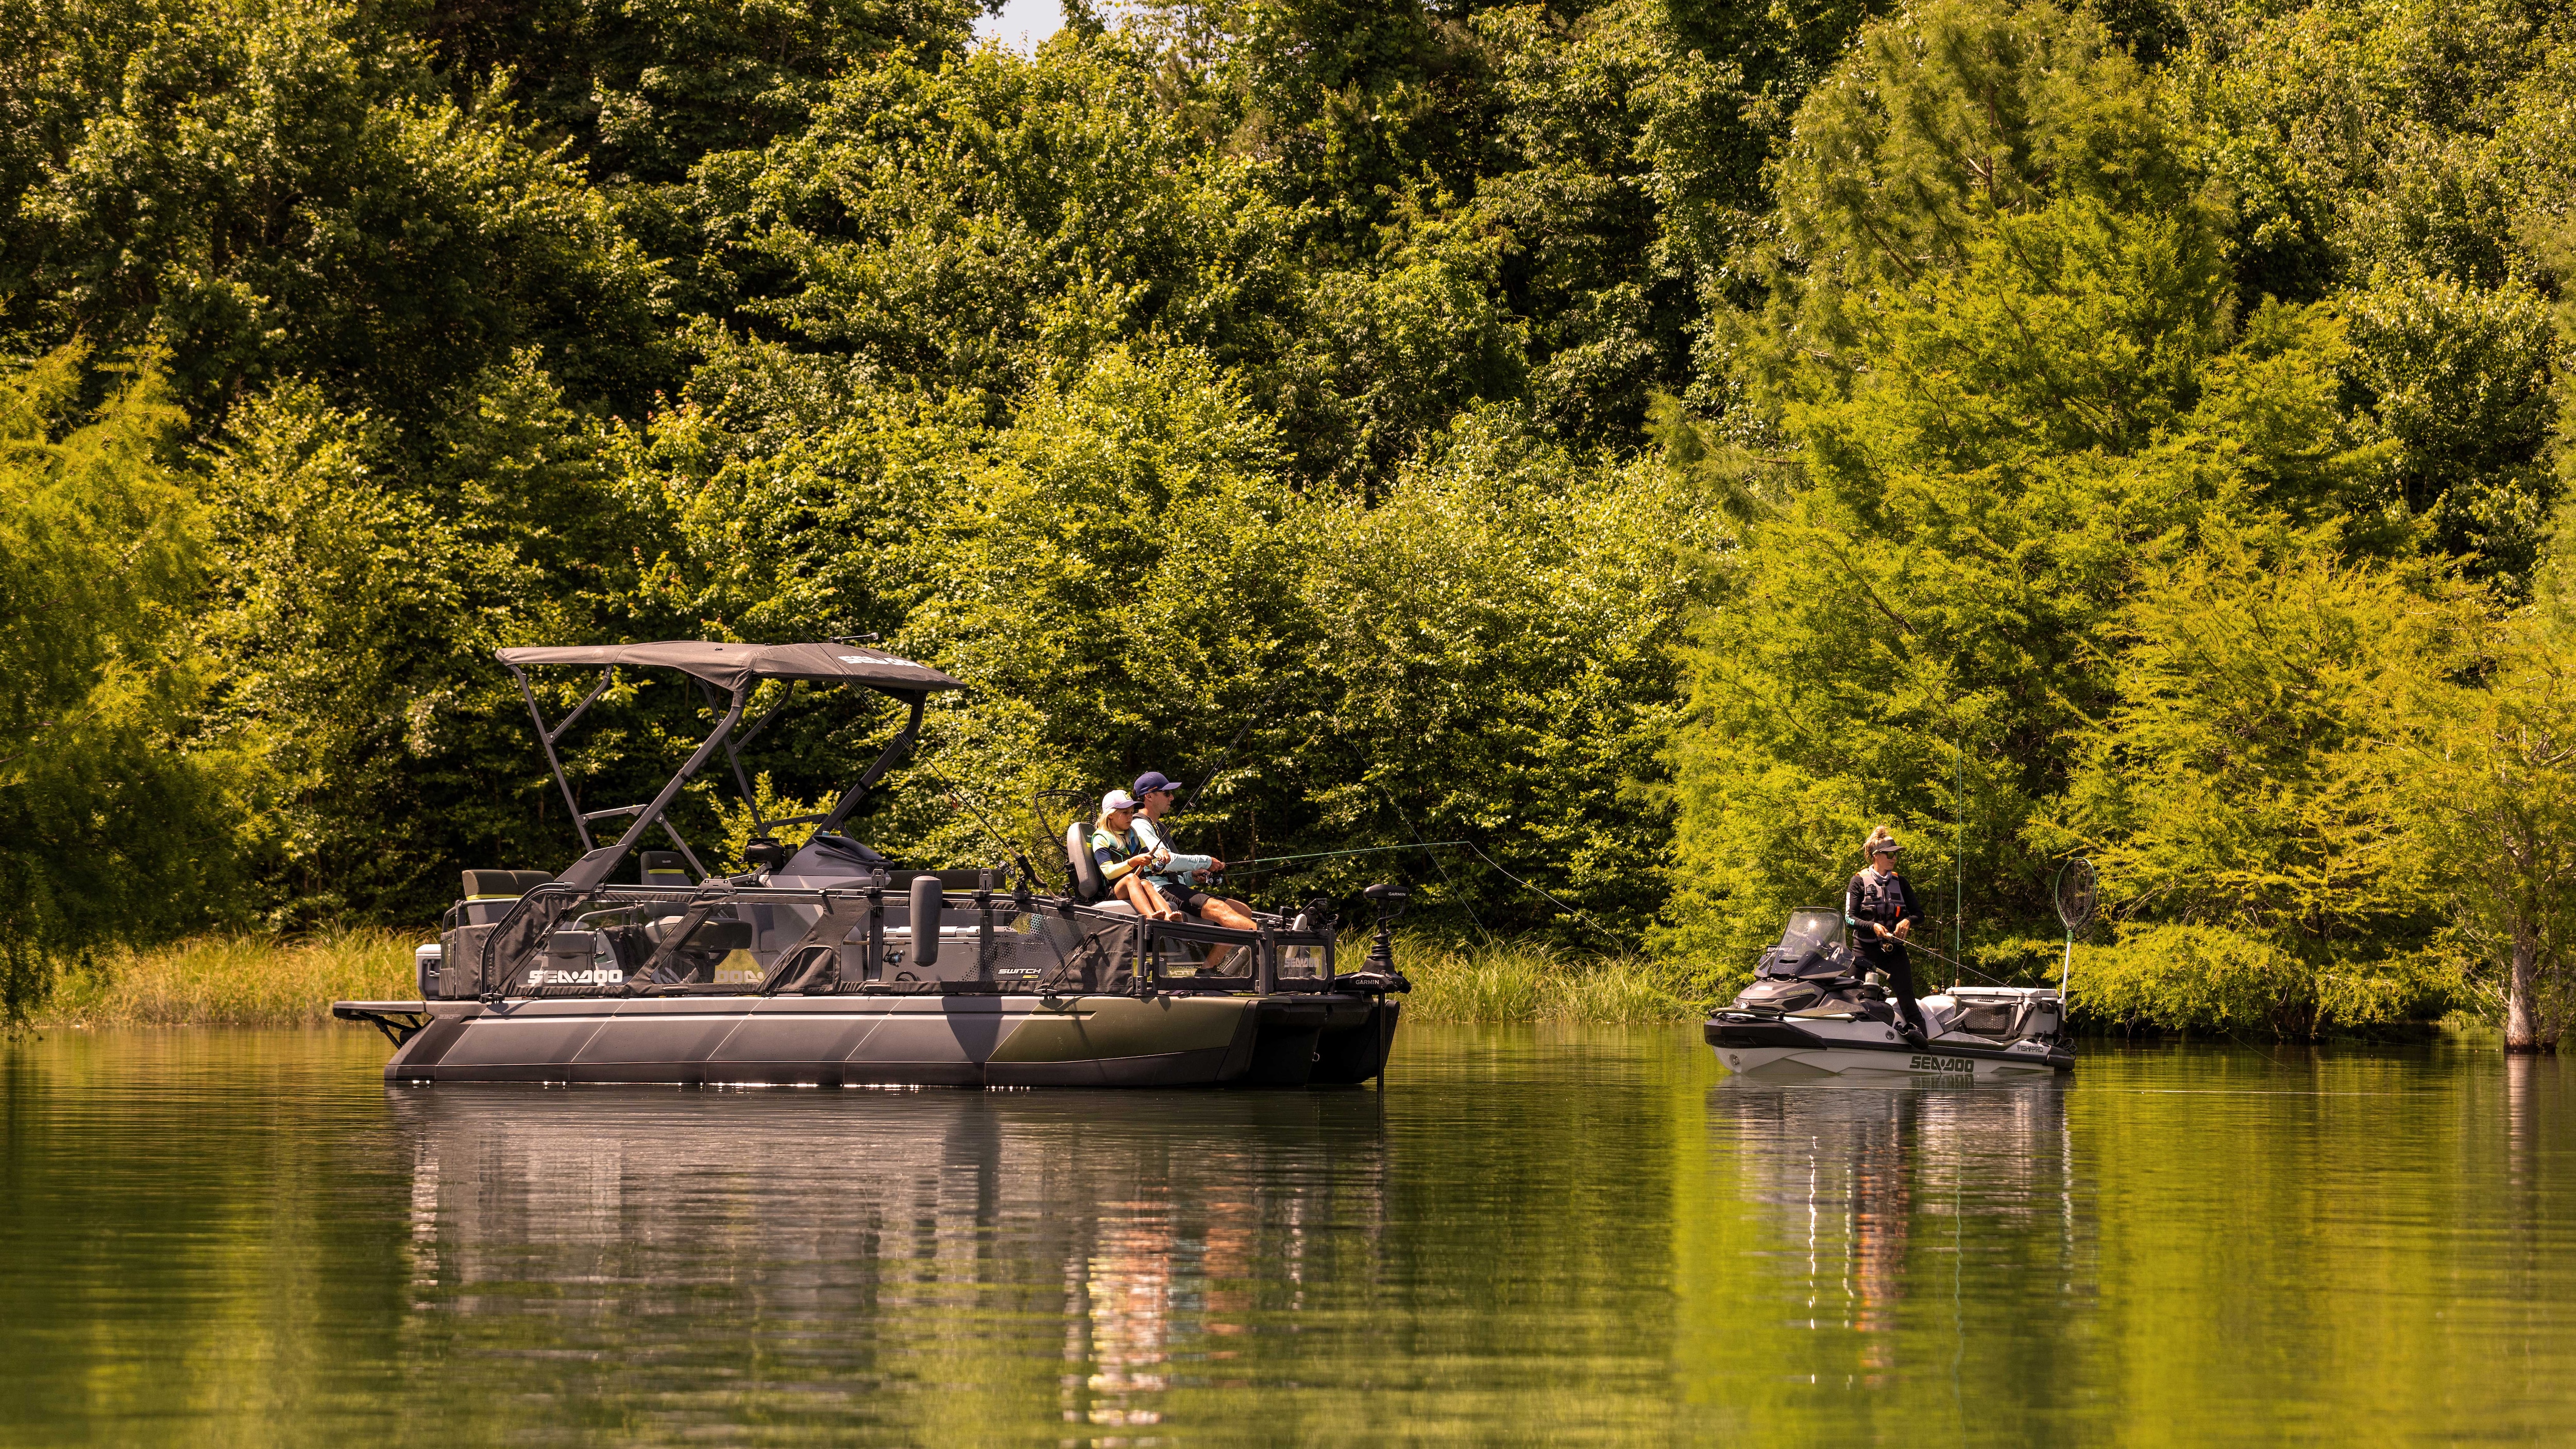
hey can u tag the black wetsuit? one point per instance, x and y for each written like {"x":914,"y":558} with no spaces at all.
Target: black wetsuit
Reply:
{"x":1874,"y":899}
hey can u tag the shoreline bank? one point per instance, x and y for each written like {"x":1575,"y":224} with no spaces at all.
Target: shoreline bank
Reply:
{"x":258,"y":981}
{"x":254,"y":981}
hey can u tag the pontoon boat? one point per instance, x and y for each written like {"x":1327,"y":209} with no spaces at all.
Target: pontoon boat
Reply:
{"x":830,"y":964}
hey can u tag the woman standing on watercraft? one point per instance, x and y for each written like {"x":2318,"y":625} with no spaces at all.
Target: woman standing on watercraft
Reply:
{"x":1880,"y":907}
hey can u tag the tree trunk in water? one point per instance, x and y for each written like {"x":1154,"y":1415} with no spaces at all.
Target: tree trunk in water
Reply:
{"x":2521,"y":1022}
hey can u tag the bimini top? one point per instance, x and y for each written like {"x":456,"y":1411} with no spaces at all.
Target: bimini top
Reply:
{"x":729,"y":666}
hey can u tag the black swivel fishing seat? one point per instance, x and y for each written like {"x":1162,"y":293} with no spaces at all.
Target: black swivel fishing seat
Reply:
{"x":1089,"y":886}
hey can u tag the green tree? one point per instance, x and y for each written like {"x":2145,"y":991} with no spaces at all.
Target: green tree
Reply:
{"x":117,"y":823}
{"x":2462,"y":381}
{"x":1500,"y":639}
{"x":646,"y":91}
{"x":2001,"y":373}
{"x":1919,"y":617}
{"x":279,"y":189}
{"x":357,"y":599}
{"x":1935,"y":128}
{"x":2389,"y":160}
{"x":2245,"y":798}
{"x":2491,"y":798}
{"x":972,"y":225}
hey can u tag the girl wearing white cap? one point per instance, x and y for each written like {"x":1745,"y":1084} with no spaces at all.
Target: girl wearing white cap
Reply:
{"x":1124,"y":858}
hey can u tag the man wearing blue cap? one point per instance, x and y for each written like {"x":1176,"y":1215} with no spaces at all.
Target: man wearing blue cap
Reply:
{"x":1155,"y":794}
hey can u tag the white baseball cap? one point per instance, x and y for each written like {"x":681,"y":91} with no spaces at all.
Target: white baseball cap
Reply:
{"x":1116,"y":800}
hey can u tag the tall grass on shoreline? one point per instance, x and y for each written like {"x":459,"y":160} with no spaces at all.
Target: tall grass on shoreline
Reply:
{"x":233,"y":981}
{"x":259,"y":981}
{"x":1499,"y":981}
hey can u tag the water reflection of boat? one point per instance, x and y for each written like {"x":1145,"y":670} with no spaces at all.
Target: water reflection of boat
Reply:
{"x":828,"y":964}
{"x":1110,"y":1234}
{"x":1855,"y":1171}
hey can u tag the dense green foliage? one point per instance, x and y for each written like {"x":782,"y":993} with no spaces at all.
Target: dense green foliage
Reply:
{"x":115,"y":830}
{"x":1653,"y":440}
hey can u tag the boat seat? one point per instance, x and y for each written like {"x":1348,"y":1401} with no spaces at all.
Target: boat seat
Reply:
{"x":491,"y":895}
{"x":666,"y":868}
{"x":502,"y":884}
{"x":715,"y":936}
{"x":1089,"y":887}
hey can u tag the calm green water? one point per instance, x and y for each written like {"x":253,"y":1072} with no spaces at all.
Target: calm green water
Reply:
{"x":239,"y":1238}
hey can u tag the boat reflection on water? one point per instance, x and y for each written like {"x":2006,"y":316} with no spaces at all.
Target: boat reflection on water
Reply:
{"x":878,"y":1241}
{"x":1884,"y":1192}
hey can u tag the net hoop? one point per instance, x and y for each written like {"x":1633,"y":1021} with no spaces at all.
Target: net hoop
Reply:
{"x":2076,"y":894}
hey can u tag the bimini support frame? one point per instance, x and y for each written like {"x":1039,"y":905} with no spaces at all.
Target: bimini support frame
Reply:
{"x":730,"y":671}
{"x":537,"y":914}
{"x":548,"y":734}
{"x":895,"y":752}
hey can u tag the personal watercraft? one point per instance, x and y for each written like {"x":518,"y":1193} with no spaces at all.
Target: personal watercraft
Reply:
{"x":1814,"y":1010}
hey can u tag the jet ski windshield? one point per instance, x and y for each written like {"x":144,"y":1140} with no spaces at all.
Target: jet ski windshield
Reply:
{"x":1812,"y":947}
{"x":1809,"y":930}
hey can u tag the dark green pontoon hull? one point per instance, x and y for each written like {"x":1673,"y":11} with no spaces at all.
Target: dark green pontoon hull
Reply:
{"x":1161,"y":1040}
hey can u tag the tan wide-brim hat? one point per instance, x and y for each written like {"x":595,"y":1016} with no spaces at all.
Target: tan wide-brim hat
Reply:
{"x":1881,"y":842}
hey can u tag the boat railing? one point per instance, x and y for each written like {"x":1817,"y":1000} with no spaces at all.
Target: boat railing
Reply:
{"x":637,"y":940}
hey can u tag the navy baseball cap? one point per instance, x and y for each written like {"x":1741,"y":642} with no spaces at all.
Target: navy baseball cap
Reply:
{"x":1153,"y":780}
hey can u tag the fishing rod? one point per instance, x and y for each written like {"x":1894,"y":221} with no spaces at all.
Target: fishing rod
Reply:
{"x":1261,"y":867}
{"x":1234,"y":745}
{"x":1013,"y":852}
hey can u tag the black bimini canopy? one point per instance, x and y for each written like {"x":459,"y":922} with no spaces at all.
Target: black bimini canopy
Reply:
{"x":732,"y":669}
{"x":730,"y":666}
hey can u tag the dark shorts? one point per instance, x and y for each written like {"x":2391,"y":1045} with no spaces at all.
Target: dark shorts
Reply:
{"x":1184,"y":899}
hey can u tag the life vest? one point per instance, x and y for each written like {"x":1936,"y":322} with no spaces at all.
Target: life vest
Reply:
{"x":1122,"y":841}
{"x":1878,"y":899}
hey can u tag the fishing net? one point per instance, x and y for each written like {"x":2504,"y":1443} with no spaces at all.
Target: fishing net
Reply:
{"x":2075,"y":895}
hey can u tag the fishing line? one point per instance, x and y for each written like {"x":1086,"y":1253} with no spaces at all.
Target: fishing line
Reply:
{"x":1263,"y":867}
{"x":1953,"y":963}
{"x":1615,"y":943}
{"x":1436,"y":865}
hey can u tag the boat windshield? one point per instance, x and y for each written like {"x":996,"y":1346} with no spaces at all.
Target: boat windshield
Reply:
{"x":1811,"y":930}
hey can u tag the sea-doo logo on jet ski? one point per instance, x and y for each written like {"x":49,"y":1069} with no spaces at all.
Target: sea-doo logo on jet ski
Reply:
{"x":851,"y":658}
{"x":1942,"y":1064}
{"x":596,"y":976}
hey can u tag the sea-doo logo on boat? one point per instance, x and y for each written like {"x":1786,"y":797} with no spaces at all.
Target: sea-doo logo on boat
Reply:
{"x":596,"y":976}
{"x":1942,"y":1064}
{"x":851,"y":658}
